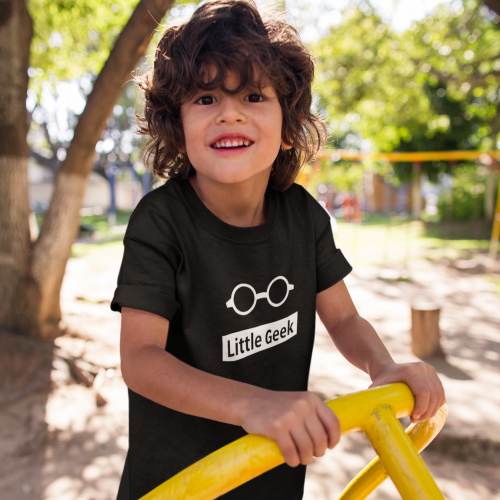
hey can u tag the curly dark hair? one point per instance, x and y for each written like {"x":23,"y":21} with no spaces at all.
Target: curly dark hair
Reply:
{"x":229,"y":35}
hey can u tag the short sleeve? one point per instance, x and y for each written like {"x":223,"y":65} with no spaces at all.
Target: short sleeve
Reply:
{"x":147,"y":276}
{"x":331,"y":265}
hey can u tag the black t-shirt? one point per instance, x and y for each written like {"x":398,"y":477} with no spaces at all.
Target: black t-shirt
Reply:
{"x":241,"y":304}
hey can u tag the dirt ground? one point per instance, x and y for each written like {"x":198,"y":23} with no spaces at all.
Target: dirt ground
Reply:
{"x":63,"y":407}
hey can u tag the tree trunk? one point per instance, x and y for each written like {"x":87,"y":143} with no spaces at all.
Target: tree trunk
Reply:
{"x":34,"y":305}
{"x":15,"y":39}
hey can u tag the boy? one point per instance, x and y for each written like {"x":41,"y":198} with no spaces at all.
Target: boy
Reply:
{"x":227,"y":262}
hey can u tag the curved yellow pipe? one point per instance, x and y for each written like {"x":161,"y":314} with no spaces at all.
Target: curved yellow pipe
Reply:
{"x":252,"y":455}
{"x":374,"y":473}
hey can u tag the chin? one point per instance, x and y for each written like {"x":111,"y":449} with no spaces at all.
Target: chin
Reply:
{"x":227,"y":176}
{"x":234,"y":179}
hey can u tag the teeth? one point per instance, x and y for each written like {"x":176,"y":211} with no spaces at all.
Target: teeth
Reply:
{"x":231,"y":143}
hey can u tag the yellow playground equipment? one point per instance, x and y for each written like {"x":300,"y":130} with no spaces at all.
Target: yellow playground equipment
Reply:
{"x":374,"y":411}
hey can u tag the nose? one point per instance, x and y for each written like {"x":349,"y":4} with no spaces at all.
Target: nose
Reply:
{"x":230,"y":110}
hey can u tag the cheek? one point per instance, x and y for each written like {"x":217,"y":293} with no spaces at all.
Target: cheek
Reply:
{"x":277,"y":120}
{"x":275,"y":128}
{"x":192,"y":136}
{"x":189,"y":139}
{"x":187,"y":121}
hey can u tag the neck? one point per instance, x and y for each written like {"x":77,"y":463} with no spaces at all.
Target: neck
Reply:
{"x":239,"y":204}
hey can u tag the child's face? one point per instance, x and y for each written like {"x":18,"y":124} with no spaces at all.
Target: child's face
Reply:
{"x":249,"y":115}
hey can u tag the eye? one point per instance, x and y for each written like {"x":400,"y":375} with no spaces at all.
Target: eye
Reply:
{"x":255,"y":97}
{"x":205,"y":100}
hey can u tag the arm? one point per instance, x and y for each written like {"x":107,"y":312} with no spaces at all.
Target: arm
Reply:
{"x":358,"y":342}
{"x":353,"y":335}
{"x":300,"y":423}
{"x":158,"y":375}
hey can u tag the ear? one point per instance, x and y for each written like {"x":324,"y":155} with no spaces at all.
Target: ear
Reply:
{"x":285,"y":146}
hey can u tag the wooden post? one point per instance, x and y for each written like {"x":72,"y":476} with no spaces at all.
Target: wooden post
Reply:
{"x":425,"y":332}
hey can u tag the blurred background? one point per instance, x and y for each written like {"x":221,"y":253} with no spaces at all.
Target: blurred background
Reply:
{"x":410,"y":177}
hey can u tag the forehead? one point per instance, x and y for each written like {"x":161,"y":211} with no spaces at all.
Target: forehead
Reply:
{"x":231,"y":79}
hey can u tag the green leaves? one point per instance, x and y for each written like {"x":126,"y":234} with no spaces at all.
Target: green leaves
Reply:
{"x":73,"y":38}
{"x":433,"y":87}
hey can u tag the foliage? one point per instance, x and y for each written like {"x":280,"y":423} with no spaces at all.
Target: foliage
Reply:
{"x":364,"y":81}
{"x":458,"y":49}
{"x":72,"y":39}
{"x":465,"y":200}
{"x":433,"y":87}
{"x":345,"y":176}
{"x":71,"y":42}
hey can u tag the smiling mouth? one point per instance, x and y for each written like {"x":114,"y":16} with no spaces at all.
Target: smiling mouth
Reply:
{"x":227,"y":144}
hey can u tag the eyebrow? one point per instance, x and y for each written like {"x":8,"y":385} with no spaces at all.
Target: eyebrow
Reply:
{"x":249,"y":87}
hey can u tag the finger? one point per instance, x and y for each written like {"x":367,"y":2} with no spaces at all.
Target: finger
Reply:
{"x":288,"y":449}
{"x":318,"y":435}
{"x":442,"y":400}
{"x":442,"y":394}
{"x":438,"y":389}
{"x":439,"y":394}
{"x":436,"y":394}
{"x":331,"y":424}
{"x":421,"y":404}
{"x":304,"y":444}
{"x":432,"y":406}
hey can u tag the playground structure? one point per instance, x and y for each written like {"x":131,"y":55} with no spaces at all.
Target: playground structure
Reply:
{"x":489,"y":158}
{"x":374,"y":411}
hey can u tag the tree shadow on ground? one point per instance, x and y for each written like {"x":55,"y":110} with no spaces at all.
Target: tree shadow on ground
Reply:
{"x":73,"y":458}
{"x":446,"y":368}
{"x":470,"y":315}
{"x":25,"y":365}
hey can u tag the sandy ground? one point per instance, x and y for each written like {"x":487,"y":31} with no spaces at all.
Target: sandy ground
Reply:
{"x":59,"y":441}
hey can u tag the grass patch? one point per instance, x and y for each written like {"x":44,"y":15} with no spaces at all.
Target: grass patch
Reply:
{"x":99,"y":223}
{"x":459,"y":245}
{"x":106,"y":238}
{"x":382,"y":219}
{"x":393,"y":240}
{"x":459,"y":230}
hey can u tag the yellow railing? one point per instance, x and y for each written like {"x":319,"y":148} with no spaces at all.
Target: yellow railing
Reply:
{"x":407,"y":156}
{"x":374,"y":411}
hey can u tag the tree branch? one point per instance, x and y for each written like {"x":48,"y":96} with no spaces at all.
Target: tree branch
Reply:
{"x":493,"y":5}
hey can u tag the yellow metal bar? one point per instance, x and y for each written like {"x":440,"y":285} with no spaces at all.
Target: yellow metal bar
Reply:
{"x":251,"y":455}
{"x":221,"y":471}
{"x":371,"y":476}
{"x":420,"y":156}
{"x":421,"y":434}
{"x":400,"y":458}
{"x":354,"y":409}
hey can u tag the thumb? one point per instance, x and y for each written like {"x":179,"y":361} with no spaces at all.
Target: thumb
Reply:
{"x":375,"y":383}
{"x":383,"y":379}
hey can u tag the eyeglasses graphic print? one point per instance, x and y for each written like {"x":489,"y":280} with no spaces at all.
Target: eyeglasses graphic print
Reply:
{"x":279,"y":288}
